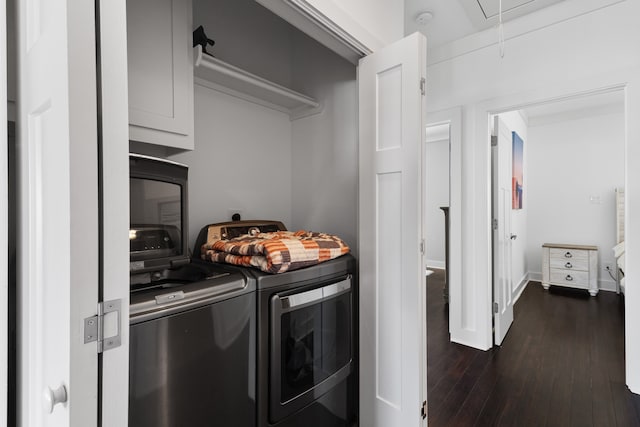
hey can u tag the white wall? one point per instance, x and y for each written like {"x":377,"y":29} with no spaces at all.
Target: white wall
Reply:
{"x":570,"y":162}
{"x":516,"y":121}
{"x":437,"y":193}
{"x":242,"y":160}
{"x":574,"y":46}
{"x":325,"y":145}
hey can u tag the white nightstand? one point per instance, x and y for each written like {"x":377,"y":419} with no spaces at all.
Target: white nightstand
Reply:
{"x":573,"y":266}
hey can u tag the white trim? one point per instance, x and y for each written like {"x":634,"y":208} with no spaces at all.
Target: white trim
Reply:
{"x":115,"y":198}
{"x":319,"y":27}
{"x":535,"y":277}
{"x":519,"y":289}
{"x":603,"y":285}
{"x":607,"y":285}
{"x":481,"y":328}
{"x":335,"y":30}
{"x":458,"y":324}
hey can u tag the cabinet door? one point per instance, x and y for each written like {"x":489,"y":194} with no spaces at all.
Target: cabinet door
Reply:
{"x":392,"y":267}
{"x":160,"y":60}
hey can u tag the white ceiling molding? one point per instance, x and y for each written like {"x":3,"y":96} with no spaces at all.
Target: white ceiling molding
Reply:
{"x":302,"y":15}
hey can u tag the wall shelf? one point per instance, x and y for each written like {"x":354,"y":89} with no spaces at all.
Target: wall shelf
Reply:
{"x":236,"y":81}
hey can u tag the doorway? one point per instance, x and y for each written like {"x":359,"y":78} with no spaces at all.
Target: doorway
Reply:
{"x":574,"y":156}
{"x":437,"y":202}
{"x":443,"y":189}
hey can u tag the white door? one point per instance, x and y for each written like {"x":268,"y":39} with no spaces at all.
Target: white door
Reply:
{"x":58,"y":213}
{"x":392,"y":269}
{"x":502,"y":237}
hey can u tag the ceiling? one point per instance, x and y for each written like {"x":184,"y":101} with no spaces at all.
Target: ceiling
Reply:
{"x":454,"y":19}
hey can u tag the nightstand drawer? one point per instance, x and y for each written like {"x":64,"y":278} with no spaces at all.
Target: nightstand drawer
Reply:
{"x":568,"y":277}
{"x":581,"y":264}
{"x":568,"y":254}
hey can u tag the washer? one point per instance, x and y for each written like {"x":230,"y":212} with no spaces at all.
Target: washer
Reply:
{"x":193,"y":353}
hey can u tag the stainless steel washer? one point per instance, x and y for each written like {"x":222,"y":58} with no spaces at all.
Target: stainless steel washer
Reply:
{"x":192,"y":354}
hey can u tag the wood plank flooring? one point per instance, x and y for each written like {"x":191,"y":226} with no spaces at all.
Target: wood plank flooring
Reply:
{"x":561,"y":364}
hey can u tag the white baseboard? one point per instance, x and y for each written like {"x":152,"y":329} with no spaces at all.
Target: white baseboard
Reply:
{"x":607,"y":285}
{"x":440,"y":265}
{"x":535,"y":277}
{"x":603,"y":285}
{"x":517,"y":292}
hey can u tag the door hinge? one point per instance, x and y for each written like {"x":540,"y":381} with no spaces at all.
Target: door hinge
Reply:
{"x":495,"y":224}
{"x":494,"y":140}
{"x":495,"y":307}
{"x":423,"y":410}
{"x":423,"y":86}
{"x":422,"y":246}
{"x":94,"y":326}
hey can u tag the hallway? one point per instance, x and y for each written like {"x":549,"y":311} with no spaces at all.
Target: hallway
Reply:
{"x":561,"y":364}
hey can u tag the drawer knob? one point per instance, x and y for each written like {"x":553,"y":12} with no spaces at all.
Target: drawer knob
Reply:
{"x":568,"y":255}
{"x":568,"y":278}
{"x":568,"y":265}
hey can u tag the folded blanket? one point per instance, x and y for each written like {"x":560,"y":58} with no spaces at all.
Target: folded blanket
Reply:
{"x":276,"y":252}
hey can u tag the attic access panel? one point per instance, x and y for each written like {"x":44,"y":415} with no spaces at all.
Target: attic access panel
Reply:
{"x":484,"y":13}
{"x":491,"y":8}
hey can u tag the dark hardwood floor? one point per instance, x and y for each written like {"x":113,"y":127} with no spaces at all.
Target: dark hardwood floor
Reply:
{"x":561,"y":364}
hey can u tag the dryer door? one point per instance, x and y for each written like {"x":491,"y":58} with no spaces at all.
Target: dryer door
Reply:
{"x":311,"y":345}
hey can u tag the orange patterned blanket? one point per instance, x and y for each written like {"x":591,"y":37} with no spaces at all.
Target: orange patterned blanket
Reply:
{"x":276,"y":252}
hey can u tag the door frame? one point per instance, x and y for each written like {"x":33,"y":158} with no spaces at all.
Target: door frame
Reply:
{"x":4,"y":221}
{"x":453,"y":117}
{"x":113,"y":152}
{"x":481,"y":245}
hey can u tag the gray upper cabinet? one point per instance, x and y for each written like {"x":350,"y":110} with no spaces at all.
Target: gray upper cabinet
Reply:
{"x":160,"y":56}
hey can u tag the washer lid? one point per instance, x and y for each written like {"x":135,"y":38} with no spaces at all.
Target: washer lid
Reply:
{"x":171,"y":298}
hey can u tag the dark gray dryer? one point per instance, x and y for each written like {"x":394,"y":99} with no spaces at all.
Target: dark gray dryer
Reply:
{"x":307,"y":337}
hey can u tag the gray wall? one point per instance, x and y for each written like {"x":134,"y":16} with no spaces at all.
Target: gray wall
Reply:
{"x":255,"y":159}
{"x":325,"y":146}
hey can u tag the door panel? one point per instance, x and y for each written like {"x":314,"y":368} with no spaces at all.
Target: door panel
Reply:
{"x":392,"y":270}
{"x":58,"y":215}
{"x":501,"y":190}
